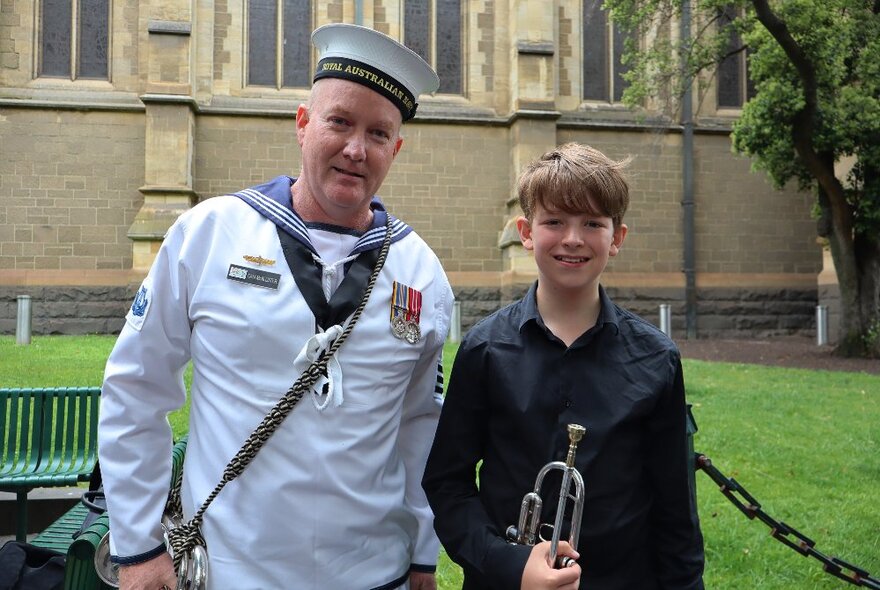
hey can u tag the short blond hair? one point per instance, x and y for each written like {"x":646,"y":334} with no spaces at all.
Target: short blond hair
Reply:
{"x":575,"y":178}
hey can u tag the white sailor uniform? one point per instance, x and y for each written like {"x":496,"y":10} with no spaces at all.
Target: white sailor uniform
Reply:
{"x":334,"y":499}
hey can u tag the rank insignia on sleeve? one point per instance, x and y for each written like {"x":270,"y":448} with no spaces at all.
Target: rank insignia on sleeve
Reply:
{"x":406,"y":309}
{"x":139,"y":308}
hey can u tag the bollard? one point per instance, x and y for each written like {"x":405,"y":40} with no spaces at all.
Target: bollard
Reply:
{"x":665,"y":319}
{"x":23,"y":325}
{"x":455,"y":325}
{"x":821,"y":325}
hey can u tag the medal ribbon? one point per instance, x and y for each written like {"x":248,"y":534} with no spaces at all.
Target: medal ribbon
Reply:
{"x":406,"y":301}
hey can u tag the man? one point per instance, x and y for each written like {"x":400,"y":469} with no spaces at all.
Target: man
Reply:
{"x":251,"y":287}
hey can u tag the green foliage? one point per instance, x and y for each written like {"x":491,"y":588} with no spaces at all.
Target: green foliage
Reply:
{"x":841,"y":42}
{"x":815,"y":68}
{"x":839,"y":39}
{"x":804,"y":443}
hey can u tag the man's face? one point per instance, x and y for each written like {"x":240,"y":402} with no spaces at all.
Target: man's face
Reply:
{"x":571,"y":249}
{"x":349,"y":136}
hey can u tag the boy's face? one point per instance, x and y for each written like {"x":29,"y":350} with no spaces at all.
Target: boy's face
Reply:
{"x":571,"y":249}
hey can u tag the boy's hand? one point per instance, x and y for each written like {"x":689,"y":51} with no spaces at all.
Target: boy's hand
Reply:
{"x":540,"y":575}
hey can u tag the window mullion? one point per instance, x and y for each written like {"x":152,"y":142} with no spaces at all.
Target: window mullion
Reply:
{"x":432,"y":31}
{"x":609,"y":47}
{"x":279,"y":44}
{"x":74,"y":39}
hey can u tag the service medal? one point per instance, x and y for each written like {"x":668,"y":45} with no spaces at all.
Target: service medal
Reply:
{"x":412,"y":332}
{"x":406,"y":310}
{"x":398,"y":326}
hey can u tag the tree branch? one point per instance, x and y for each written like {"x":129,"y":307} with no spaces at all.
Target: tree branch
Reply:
{"x":733,"y":52}
{"x":796,"y":56}
{"x":804,"y":121}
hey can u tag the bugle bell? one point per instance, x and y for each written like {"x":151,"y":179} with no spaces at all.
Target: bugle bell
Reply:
{"x":526,"y":531}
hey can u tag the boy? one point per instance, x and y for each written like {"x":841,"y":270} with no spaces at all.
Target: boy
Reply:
{"x":567,"y":354}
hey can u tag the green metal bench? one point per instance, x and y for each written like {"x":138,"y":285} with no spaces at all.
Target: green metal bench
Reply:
{"x":79,"y":572}
{"x":50,"y":440}
{"x":79,"y":569}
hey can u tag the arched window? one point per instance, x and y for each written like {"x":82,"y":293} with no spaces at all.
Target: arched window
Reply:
{"x":278,"y":41}
{"x":603,"y":48}
{"x":734,"y":85}
{"x":432,"y":28}
{"x":74,"y":39}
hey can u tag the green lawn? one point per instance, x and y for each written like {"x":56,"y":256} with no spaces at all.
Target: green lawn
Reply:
{"x":804,"y":443}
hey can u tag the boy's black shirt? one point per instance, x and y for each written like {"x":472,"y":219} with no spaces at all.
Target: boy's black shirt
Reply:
{"x":513,"y":390}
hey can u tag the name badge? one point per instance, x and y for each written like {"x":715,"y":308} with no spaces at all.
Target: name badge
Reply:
{"x":252,"y":276}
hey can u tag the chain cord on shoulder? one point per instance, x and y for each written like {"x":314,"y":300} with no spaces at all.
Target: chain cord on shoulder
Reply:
{"x":186,"y":536}
{"x":781,"y":531}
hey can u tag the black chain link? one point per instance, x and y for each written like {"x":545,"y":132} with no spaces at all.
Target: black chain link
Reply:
{"x":781,"y":531}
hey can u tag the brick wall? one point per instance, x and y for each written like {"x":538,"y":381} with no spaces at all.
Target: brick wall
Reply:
{"x":738,"y":214}
{"x":76,"y":156}
{"x":68,"y":188}
{"x":237,"y":152}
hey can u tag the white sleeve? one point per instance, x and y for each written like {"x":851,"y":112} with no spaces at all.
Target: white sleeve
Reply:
{"x":143,"y":382}
{"x":421,"y":412}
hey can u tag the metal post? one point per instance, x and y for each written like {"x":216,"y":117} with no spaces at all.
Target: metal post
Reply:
{"x":688,"y":202}
{"x":665,"y":319}
{"x":455,"y":326}
{"x":23,"y":325}
{"x":821,"y":325}
{"x":21,"y":523}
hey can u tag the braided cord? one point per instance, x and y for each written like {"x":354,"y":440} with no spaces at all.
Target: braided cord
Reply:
{"x":186,"y":536}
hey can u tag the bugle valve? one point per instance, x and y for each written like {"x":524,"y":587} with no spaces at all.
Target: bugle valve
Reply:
{"x":527,"y":530}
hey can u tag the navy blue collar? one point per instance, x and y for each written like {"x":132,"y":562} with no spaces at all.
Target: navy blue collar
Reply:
{"x":607,"y":310}
{"x":272,"y":200}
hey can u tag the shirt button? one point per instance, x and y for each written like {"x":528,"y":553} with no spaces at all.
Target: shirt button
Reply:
{"x":568,"y":403}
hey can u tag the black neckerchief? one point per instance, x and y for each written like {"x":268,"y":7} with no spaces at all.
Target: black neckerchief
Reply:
{"x":307,"y":274}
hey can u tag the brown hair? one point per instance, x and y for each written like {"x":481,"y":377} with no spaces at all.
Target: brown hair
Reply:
{"x":575,"y":178}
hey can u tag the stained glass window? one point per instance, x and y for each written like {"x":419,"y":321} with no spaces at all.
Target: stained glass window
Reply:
{"x":265,"y":39}
{"x":432,"y":28}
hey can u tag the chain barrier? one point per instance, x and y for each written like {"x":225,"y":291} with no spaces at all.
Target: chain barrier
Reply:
{"x":781,"y":531}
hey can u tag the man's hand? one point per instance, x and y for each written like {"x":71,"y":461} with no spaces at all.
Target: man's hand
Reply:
{"x":422,"y":581}
{"x":540,"y":575}
{"x":148,"y":575}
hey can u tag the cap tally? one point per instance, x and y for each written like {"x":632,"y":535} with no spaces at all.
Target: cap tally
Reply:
{"x":367,"y":57}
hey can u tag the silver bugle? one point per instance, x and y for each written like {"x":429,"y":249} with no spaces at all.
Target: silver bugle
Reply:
{"x":526,"y":532}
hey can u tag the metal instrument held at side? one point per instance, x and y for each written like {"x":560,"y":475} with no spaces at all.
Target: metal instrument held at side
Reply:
{"x":193,"y":572}
{"x":526,"y":532}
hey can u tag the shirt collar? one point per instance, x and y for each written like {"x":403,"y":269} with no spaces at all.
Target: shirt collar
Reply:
{"x":608,"y":312}
{"x":272,"y":200}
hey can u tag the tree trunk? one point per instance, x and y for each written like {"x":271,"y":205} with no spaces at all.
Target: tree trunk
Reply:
{"x":867,"y":249}
{"x":843,"y":253}
{"x":849,"y":262}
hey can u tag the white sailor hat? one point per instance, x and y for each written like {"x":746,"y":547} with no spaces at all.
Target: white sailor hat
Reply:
{"x":375,"y":60}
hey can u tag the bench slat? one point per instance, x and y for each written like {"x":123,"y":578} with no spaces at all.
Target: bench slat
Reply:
{"x":59,"y":535}
{"x":51,"y":439}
